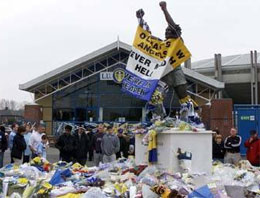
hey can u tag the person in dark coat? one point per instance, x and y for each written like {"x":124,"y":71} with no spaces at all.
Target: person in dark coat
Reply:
{"x":218,"y":149}
{"x":19,"y":146}
{"x":3,"y":145}
{"x":66,"y":145}
{"x":123,"y":145}
{"x":82,"y":146}
{"x":96,"y":145}
{"x":232,"y":145}
{"x":90,"y":135}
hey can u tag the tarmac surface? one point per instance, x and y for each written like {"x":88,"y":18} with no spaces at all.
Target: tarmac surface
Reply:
{"x":52,"y":156}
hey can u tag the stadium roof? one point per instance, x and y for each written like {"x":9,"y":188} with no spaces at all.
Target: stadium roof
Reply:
{"x":67,"y":68}
{"x":234,"y":60}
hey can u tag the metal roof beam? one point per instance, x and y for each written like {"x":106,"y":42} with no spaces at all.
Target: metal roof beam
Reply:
{"x":46,"y":95}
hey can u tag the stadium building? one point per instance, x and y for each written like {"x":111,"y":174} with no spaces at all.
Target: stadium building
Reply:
{"x":240,"y":73}
{"x":88,"y":90}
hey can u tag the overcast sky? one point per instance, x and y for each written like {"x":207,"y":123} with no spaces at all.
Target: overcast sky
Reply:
{"x":37,"y":36}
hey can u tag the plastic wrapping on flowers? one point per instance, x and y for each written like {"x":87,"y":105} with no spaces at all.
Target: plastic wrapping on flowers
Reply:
{"x":123,"y":178}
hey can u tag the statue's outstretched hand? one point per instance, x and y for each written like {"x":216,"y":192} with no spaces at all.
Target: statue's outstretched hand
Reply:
{"x":163,"y":5}
{"x":139,"y":13}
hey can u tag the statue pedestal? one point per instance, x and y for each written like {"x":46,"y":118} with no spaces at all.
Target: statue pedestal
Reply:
{"x":168,"y":142}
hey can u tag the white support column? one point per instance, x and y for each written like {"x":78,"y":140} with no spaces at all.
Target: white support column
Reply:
{"x":254,"y":81}
{"x":143,"y":114}
{"x":218,"y":71}
{"x":100,"y":117}
{"x":187,"y":63}
{"x":256,"y":77}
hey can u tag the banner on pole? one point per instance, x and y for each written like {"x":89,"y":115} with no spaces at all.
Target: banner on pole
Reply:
{"x":148,"y":61}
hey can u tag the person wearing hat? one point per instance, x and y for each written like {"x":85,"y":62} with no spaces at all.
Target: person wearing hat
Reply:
{"x":218,"y":148}
{"x":66,"y":144}
{"x":253,"y":148}
{"x":110,"y":145}
{"x":82,"y":146}
{"x":123,"y":152}
{"x":36,"y":138}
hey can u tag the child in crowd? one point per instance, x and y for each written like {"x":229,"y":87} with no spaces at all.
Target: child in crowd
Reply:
{"x":41,"y":150}
{"x":218,"y":148}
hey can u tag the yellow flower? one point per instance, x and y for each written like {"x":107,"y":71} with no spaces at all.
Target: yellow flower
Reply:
{"x":121,"y":188}
{"x":22,"y":181}
{"x":37,"y":160}
{"x":45,"y":188}
{"x":158,"y":123}
{"x":47,"y":185}
{"x":15,"y":167}
{"x":77,"y":166}
{"x":41,"y":191}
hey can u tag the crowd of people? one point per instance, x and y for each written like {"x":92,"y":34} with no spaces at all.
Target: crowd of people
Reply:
{"x":228,"y":150}
{"x":24,"y":141}
{"x":105,"y":145}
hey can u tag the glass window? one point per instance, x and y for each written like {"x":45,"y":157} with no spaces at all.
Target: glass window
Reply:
{"x":130,"y":101}
{"x":109,"y":86}
{"x":81,"y":114}
{"x":110,"y":100}
{"x":92,"y":115}
{"x":91,"y":100}
{"x":134,"y":114}
{"x":63,"y":115}
{"x":62,"y":102}
{"x":114,"y":114}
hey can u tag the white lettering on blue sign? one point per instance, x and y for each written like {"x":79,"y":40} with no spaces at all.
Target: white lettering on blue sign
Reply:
{"x":252,"y":118}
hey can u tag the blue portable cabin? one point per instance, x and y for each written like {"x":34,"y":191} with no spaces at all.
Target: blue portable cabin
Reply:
{"x":247,"y":118}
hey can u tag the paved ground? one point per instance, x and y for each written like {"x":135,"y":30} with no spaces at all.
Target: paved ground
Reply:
{"x":52,"y":156}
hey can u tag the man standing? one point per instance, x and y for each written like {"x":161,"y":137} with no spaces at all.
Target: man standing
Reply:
{"x":110,"y":146}
{"x":123,"y":145}
{"x":232,"y":146}
{"x":36,"y":138}
{"x":3,"y":145}
{"x":66,"y":145}
{"x":253,"y":148}
{"x":27,"y":153}
{"x":97,"y":139}
{"x":82,"y":146}
{"x":19,"y":145}
{"x":90,"y":135}
{"x":14,"y":128}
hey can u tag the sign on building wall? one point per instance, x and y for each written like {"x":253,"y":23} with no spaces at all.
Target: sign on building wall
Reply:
{"x":106,"y":75}
{"x":117,"y":75}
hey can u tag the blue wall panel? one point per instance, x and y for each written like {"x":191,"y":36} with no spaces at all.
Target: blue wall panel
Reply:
{"x":247,"y":118}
